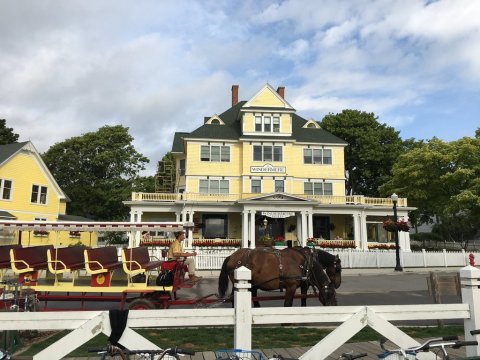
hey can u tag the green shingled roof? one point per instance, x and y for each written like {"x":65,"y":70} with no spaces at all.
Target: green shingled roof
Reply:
{"x":232,"y":131}
{"x":8,"y":150}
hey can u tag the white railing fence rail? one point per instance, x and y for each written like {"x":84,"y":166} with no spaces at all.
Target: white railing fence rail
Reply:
{"x":212,"y":258}
{"x":351,"y":319}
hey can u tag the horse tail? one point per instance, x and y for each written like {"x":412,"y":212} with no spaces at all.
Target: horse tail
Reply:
{"x":223,"y":279}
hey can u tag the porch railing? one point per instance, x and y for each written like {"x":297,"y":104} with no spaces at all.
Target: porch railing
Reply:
{"x":322,"y":199}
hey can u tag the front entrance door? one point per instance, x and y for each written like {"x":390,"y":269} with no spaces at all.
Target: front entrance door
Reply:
{"x":274,"y":227}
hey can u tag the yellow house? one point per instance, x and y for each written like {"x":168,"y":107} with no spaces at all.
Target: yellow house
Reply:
{"x":28,"y":191}
{"x":260,"y":171}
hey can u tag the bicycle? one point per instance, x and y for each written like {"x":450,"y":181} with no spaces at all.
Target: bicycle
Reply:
{"x":239,"y":354}
{"x":437,"y":347}
{"x":115,"y":352}
{"x":23,"y":299}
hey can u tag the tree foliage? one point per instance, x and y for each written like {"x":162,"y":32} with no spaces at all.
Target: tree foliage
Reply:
{"x":7,"y":136}
{"x":97,"y":171}
{"x":442,"y":179}
{"x":371,"y":152}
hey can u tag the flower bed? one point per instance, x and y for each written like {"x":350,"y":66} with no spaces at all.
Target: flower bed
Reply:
{"x":382,"y":246}
{"x":336,"y":244}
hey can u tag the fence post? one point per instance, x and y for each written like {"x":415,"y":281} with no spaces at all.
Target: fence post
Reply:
{"x":445,"y":257}
{"x":424,"y":253}
{"x":243,"y":309}
{"x":470,"y":281}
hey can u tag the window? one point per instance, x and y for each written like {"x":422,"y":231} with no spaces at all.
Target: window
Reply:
{"x":181,"y":169}
{"x":6,"y":189}
{"x":317,"y":188}
{"x":39,"y":194}
{"x":215,"y":153}
{"x":213,"y":186}
{"x":317,"y":156}
{"x":256,"y":186}
{"x":267,"y":153}
{"x":279,"y":186}
{"x":267,"y":123}
{"x":215,"y":226}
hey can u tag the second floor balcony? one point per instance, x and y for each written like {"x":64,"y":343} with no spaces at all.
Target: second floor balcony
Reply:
{"x":322,"y":199}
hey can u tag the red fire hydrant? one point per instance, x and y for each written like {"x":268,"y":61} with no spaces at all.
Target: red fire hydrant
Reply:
{"x":471,"y":259}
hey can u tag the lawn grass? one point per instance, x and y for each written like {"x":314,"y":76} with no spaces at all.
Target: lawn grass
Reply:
{"x":210,"y":339}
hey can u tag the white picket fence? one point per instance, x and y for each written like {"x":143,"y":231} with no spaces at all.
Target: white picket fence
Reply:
{"x":212,"y":259}
{"x":350,"y":319}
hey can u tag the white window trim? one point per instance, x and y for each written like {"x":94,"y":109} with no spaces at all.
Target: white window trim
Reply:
{"x":317,"y":148}
{"x":262,"y":116}
{"x":263,"y":146}
{"x":209,"y":187}
{"x":2,"y":186}
{"x":39,"y":195}
{"x":261,"y":185}
{"x":323,"y":188}
{"x":210,"y":153}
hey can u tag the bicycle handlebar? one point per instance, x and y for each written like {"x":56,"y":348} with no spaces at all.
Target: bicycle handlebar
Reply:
{"x":475,"y":332}
{"x":459,"y":344}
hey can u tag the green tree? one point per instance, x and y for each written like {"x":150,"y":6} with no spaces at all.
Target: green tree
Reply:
{"x":98,"y":171}
{"x":442,"y":179}
{"x":7,"y":136}
{"x":371,"y":152}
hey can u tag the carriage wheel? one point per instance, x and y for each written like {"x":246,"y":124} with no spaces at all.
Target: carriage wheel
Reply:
{"x":141,"y":304}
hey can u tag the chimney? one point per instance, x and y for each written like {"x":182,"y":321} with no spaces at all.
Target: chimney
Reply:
{"x":234,"y":95}
{"x":281,"y":91}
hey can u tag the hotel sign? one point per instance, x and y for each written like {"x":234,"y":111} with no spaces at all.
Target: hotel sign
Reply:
{"x":278,"y":214}
{"x":268,"y":168}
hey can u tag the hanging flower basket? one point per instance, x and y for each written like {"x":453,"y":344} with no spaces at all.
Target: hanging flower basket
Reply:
{"x":392,"y":226}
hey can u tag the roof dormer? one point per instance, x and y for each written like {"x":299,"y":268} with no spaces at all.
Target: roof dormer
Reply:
{"x":311,"y":124}
{"x":214,"y":120}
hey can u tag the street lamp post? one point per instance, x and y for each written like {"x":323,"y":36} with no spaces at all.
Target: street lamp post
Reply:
{"x":398,"y":266}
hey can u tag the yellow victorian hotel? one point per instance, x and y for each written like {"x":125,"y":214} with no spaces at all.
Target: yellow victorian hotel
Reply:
{"x":259,"y":171}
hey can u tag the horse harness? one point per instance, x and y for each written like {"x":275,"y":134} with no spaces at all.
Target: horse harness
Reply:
{"x":306,"y":267}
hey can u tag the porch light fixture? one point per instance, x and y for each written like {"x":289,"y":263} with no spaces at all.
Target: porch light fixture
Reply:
{"x":265,"y":222}
{"x":398,"y":266}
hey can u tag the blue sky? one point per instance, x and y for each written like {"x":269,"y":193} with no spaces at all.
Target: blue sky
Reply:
{"x":158,"y":67}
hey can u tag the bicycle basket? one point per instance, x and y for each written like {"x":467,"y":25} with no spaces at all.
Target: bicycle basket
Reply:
{"x":238,"y":354}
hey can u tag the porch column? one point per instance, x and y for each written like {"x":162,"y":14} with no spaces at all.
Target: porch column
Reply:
{"x":131,"y":234}
{"x":190,"y":231}
{"x":245,"y":236}
{"x":404,"y":239}
{"x":356,"y":230}
{"x":177,"y":216}
{"x":138,"y":234}
{"x":363,"y":231}
{"x":298,"y":231}
{"x":303,"y":239}
{"x":252,"y":229}
{"x":310,"y":224}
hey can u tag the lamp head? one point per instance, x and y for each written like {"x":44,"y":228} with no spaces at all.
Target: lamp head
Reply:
{"x":265,"y":221}
{"x":394,"y":197}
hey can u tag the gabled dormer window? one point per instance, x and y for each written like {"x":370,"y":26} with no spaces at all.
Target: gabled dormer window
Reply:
{"x":215,"y":120}
{"x":267,"y":123}
{"x":311,"y":124}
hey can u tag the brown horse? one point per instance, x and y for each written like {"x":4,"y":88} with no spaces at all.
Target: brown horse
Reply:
{"x":288,"y":269}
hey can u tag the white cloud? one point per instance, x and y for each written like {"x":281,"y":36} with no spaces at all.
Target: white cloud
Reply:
{"x":159,"y":67}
